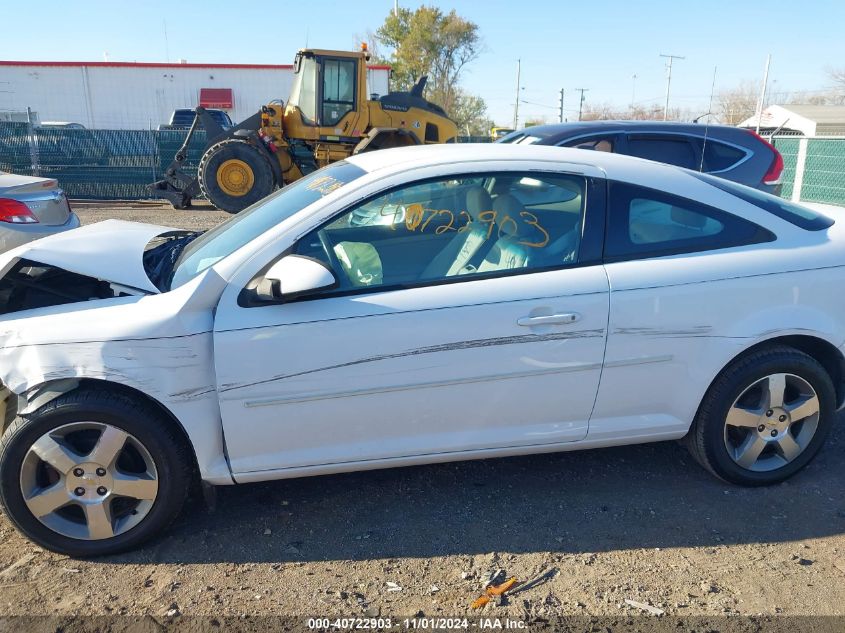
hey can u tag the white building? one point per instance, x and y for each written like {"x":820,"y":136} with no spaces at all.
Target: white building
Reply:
{"x":139,"y":95}
{"x":809,"y":120}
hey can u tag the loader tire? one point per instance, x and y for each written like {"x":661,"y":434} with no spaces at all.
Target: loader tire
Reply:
{"x":234,"y":174}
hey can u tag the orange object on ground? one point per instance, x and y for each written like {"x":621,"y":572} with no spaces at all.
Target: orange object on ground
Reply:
{"x":498,"y":590}
{"x":493,"y":590}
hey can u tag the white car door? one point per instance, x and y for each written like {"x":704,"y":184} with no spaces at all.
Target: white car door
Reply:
{"x":680,"y":307}
{"x":470,"y":315}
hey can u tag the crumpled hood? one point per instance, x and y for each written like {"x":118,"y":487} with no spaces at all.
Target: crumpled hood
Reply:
{"x":111,"y":250}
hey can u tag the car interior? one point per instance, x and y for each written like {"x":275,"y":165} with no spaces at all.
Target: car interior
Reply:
{"x":441,"y":229}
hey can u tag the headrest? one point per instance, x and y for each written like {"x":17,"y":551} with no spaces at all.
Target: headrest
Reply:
{"x":478,"y":200}
{"x":507,"y":210}
{"x":688,"y":218}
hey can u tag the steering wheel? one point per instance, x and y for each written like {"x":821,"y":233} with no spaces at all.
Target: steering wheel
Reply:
{"x":337,"y":267}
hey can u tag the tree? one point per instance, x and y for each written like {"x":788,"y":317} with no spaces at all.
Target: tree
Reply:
{"x":838,"y":77}
{"x":429,"y":42}
{"x":606,"y":111}
{"x":469,"y":112}
{"x":535,"y":119}
{"x":833,"y":95}
{"x":737,"y":104}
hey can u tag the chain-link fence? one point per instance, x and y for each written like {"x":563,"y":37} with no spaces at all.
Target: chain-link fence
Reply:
{"x":118,"y":164}
{"x":814,"y":168}
{"x":96,"y":164}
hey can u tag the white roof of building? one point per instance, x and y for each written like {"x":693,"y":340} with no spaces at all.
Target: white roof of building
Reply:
{"x":806,"y":118}
{"x":830,"y":114}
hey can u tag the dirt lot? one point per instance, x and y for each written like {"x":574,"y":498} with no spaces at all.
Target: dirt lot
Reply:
{"x":643,"y":523}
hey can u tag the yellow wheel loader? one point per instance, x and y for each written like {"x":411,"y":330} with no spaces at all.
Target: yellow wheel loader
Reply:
{"x":328,"y":116}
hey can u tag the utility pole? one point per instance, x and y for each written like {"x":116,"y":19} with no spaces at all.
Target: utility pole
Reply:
{"x":633,"y":89}
{"x":581,"y":100}
{"x":516,"y":101}
{"x":763,"y":92}
{"x":669,"y":81}
{"x":561,"y":105}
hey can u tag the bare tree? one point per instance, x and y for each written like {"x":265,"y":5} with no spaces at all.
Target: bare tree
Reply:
{"x":737,"y":104}
{"x":607,"y":112}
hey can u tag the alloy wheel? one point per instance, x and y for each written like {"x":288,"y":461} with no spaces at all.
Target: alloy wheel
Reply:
{"x":89,"y":480}
{"x":771,"y":422}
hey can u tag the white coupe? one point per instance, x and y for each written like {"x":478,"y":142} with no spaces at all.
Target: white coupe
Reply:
{"x":411,"y":306}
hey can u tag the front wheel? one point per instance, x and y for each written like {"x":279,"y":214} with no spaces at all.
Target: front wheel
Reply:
{"x":764,"y":418}
{"x":93,"y":472}
{"x":233,"y":174}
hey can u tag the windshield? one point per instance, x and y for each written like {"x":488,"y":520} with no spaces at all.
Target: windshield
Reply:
{"x":519,"y":138}
{"x":303,"y":94}
{"x":226,"y":238}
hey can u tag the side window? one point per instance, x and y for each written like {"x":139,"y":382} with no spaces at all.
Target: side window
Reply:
{"x":653,"y":222}
{"x":648,"y":223}
{"x":598,"y":143}
{"x":673,"y":151}
{"x":719,"y":156}
{"x":338,"y":89}
{"x":455,"y":228}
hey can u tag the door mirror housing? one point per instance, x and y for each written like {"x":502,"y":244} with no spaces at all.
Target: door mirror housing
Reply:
{"x":293,"y":276}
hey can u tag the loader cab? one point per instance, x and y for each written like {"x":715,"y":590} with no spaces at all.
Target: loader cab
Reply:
{"x":327,"y":87}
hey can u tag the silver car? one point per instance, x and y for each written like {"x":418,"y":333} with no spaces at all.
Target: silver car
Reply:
{"x":30,"y":208}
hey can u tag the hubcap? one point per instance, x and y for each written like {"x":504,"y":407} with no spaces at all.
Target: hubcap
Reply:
{"x":235,"y":177}
{"x":89,"y":480}
{"x":772,"y":422}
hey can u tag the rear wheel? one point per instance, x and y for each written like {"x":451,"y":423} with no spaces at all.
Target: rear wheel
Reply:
{"x":764,"y":418}
{"x":93,"y":472}
{"x":233,"y":174}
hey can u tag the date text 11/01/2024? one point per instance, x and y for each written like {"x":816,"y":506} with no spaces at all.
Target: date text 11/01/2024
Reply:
{"x":418,"y":624}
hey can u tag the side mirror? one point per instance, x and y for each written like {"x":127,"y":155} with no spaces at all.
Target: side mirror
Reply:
{"x":294,"y":275}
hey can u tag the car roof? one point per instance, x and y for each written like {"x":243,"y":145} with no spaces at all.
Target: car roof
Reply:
{"x":451,"y":157}
{"x":401,"y":159}
{"x":561,"y":131}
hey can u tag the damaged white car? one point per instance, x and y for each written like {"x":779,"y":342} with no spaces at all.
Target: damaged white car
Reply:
{"x":505,"y":300}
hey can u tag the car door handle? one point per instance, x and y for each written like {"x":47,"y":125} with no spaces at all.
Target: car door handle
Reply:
{"x":549,"y":319}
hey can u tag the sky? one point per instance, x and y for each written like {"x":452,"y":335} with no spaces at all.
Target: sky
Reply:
{"x":562,"y":44}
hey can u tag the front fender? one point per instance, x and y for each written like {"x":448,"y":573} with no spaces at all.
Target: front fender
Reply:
{"x":160,"y":346}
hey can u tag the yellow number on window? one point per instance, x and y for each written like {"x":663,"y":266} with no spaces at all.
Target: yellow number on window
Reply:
{"x":531,"y":220}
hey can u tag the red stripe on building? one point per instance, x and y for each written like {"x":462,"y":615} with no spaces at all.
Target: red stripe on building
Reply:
{"x":159,"y":65}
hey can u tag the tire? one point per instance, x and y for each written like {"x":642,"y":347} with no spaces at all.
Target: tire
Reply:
{"x":153,"y":444}
{"x":727,"y":446}
{"x":251,"y":162}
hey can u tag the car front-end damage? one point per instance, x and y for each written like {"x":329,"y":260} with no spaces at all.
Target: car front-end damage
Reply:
{"x":85,"y":311}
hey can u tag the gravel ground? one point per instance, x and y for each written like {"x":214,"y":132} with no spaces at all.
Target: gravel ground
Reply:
{"x":641,"y":523}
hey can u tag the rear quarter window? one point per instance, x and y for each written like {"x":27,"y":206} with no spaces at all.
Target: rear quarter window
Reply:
{"x":647,"y":223}
{"x":784,"y":209}
{"x":719,"y":156}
